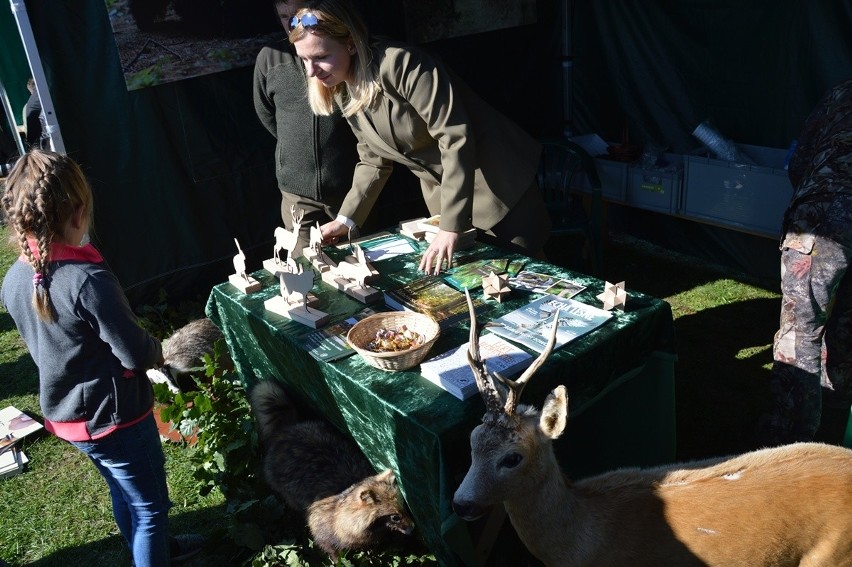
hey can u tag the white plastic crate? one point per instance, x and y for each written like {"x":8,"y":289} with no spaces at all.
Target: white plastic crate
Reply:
{"x":749,"y":197}
{"x":656,"y":189}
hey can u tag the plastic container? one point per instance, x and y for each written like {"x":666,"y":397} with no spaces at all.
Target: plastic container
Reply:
{"x":748,"y":197}
{"x":656,"y":188}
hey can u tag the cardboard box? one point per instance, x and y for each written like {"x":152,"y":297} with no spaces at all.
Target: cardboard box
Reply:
{"x":748,"y":197}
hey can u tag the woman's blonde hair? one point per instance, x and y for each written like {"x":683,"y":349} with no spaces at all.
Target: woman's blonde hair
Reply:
{"x":339,"y":20}
{"x":42,"y":192}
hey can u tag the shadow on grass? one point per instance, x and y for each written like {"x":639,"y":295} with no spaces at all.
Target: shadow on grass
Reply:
{"x":720,"y":390}
{"x":220,"y":550}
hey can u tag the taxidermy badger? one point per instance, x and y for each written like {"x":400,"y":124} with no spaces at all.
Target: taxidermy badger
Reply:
{"x":183,"y":352}
{"x":315,"y":470}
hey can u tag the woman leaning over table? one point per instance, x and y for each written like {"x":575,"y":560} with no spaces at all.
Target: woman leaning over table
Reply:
{"x":476,"y":167}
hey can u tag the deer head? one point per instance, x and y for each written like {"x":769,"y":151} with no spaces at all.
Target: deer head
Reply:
{"x":297,"y":218}
{"x":510,"y":450}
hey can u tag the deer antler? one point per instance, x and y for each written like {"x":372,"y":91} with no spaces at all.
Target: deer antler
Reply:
{"x":484,"y":381}
{"x":297,"y":218}
{"x":516,"y":387}
{"x":495,"y":401}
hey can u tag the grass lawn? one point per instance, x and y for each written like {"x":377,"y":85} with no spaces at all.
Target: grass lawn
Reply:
{"x":58,"y":512}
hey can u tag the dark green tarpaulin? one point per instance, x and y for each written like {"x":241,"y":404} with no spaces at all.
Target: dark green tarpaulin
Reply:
{"x":177,"y":169}
{"x":14,"y":70}
{"x":181,"y":169}
{"x":754,"y":68}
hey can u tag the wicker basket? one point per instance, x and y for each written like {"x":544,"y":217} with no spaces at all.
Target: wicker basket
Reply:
{"x":364,"y":331}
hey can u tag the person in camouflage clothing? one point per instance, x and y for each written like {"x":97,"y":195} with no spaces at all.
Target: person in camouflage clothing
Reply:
{"x":811,"y":380}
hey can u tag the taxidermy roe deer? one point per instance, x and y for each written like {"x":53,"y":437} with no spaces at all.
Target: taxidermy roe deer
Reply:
{"x":784,"y":506}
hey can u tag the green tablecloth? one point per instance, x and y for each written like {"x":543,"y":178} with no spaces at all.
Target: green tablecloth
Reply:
{"x":403,"y":421}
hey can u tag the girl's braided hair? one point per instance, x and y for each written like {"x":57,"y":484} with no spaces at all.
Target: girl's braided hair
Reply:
{"x":42,"y":192}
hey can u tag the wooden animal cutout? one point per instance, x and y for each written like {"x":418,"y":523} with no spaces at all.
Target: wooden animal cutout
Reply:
{"x":313,"y":251}
{"x":295,"y":281}
{"x":714,"y":513}
{"x":356,"y":268}
{"x":286,"y":239}
{"x":296,"y":284}
{"x":240,"y":278}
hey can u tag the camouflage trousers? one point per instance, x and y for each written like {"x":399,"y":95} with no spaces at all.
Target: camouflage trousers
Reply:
{"x":812,"y":351}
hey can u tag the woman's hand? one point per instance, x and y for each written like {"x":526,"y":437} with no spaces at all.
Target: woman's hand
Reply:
{"x":439,"y":251}
{"x":332,"y":231}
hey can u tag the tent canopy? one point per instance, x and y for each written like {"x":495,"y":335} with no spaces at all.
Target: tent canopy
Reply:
{"x":181,"y":169}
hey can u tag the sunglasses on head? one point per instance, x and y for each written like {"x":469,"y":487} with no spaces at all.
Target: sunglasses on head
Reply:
{"x":308,"y":20}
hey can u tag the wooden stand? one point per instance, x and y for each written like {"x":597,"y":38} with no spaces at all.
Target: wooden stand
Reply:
{"x":321,"y":262}
{"x":273,"y":267}
{"x":249,"y":285}
{"x":364,"y":294}
{"x":297,"y":311}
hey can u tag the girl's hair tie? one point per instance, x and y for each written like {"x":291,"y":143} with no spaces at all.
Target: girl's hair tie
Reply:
{"x":38,"y":279}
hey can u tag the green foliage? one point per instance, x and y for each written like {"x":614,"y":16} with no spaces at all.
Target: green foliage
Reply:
{"x":217,"y":417}
{"x":294,"y":554}
{"x":215,"y":422}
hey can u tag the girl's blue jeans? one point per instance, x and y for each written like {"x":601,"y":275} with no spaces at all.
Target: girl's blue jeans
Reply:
{"x":132,"y":462}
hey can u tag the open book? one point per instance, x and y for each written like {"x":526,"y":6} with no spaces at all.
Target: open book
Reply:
{"x":531,"y":325}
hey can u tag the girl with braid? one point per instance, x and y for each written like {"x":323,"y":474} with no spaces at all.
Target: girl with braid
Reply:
{"x":90,"y":351}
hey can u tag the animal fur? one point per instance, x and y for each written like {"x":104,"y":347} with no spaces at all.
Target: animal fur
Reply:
{"x":322,"y":474}
{"x":780,"y":507}
{"x":784,"y":506}
{"x":184,"y":354}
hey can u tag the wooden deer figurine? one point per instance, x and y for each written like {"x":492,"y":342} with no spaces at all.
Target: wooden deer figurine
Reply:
{"x":784,"y":506}
{"x":286,"y":239}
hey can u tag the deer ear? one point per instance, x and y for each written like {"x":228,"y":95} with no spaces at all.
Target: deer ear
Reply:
{"x":554,"y":414}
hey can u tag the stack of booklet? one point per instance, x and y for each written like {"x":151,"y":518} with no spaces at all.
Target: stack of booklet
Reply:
{"x":431,"y":296}
{"x":14,"y":426}
{"x":452,"y":372}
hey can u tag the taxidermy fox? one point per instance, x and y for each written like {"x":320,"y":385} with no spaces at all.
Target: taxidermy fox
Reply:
{"x":317,"y":471}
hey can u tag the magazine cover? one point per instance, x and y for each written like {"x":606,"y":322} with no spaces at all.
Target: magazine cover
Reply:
{"x":532,"y":281}
{"x":470,"y":275}
{"x":432,"y":296}
{"x":531,"y":325}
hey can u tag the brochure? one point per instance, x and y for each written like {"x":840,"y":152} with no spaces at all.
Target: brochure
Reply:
{"x":451,"y":371}
{"x":329,"y":343}
{"x":531,"y":325}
